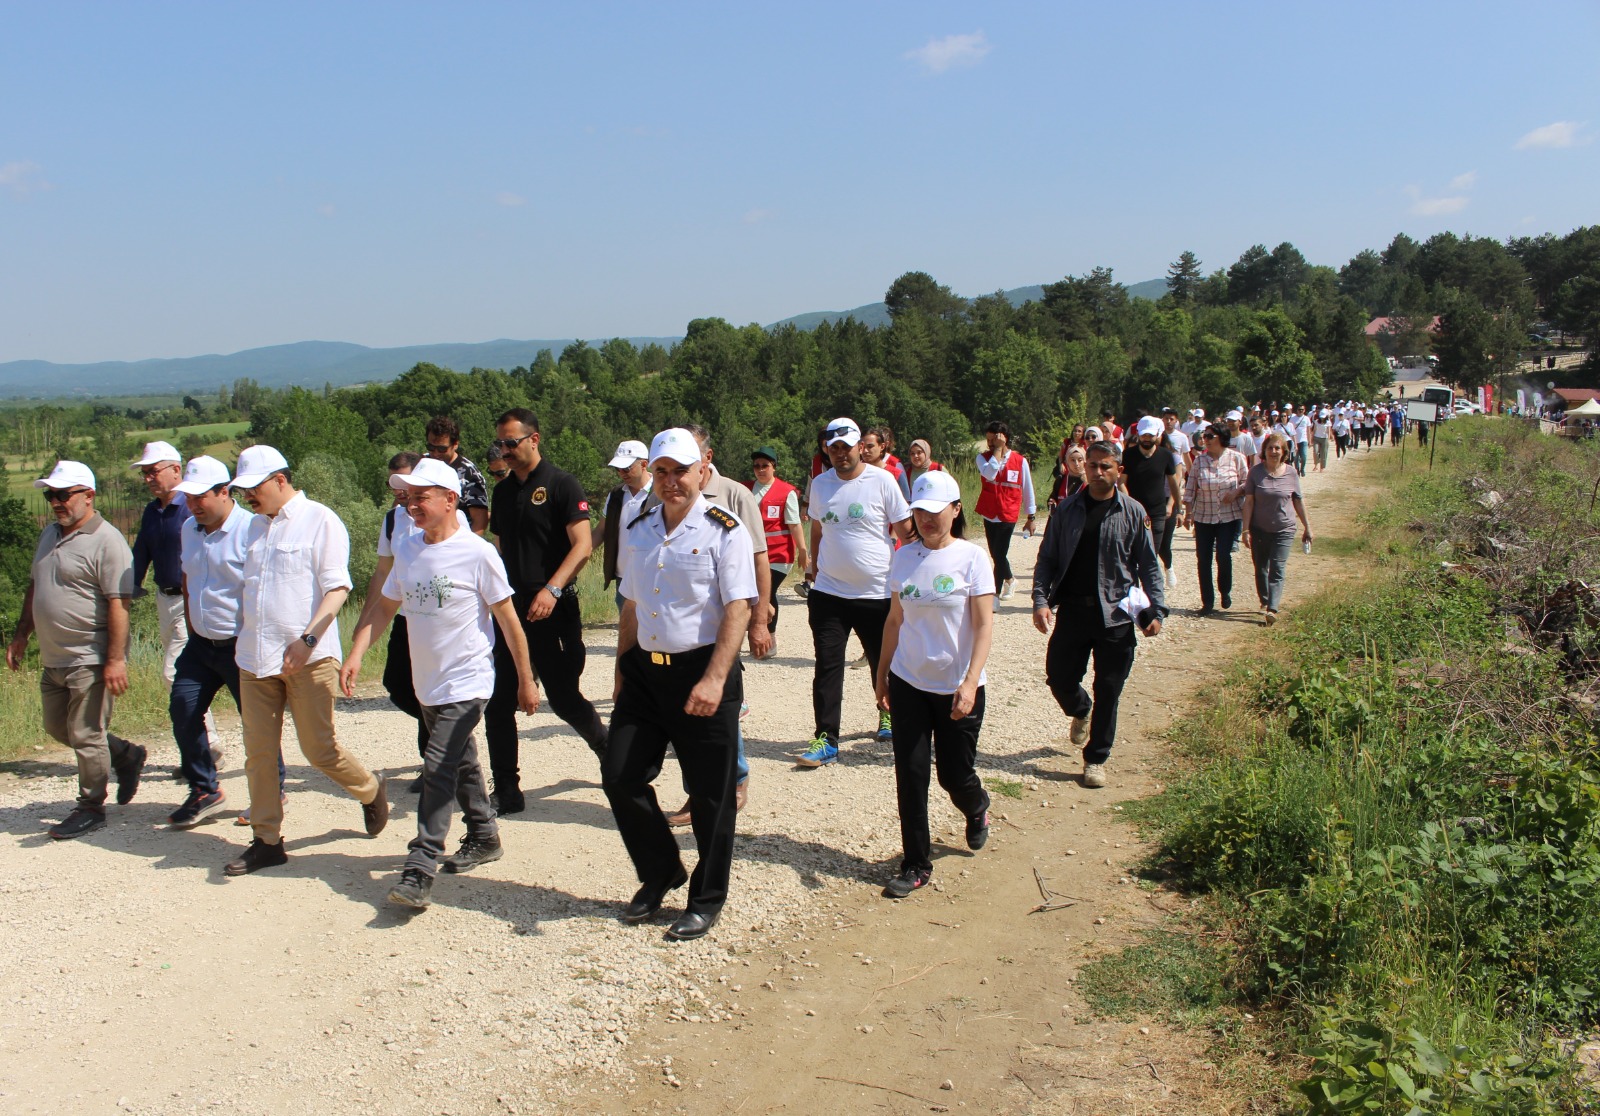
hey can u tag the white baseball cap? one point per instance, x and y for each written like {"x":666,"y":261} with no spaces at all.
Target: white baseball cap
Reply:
{"x":256,"y":464}
{"x":1235,"y":414}
{"x":68,"y":474}
{"x":676,"y":444}
{"x":430,"y":472}
{"x":157,"y":453}
{"x":202,"y":475}
{"x":627,"y":453}
{"x":935,"y":491}
{"x":841,"y":430}
{"x":1149,"y":425}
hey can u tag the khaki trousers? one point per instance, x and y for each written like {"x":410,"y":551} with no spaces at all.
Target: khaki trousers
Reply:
{"x":308,"y":695}
{"x":77,"y":709}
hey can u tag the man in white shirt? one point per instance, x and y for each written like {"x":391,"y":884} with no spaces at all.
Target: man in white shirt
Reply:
{"x":452,"y":587}
{"x":856,"y":511}
{"x":296,"y":576}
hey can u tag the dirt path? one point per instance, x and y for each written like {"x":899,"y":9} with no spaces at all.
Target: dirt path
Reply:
{"x":141,"y":980}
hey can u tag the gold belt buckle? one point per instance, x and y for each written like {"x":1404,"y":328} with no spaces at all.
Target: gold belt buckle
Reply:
{"x":660,"y":659}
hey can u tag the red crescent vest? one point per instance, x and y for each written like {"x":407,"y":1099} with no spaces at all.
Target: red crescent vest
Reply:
{"x":1001,"y":498}
{"x":780,"y":544}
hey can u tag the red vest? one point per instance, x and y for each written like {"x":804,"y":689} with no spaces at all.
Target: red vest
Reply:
{"x":780,"y":544}
{"x":1001,"y":498}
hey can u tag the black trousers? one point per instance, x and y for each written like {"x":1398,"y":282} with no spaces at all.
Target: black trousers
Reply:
{"x":832,"y":621}
{"x":998,"y":536}
{"x":556,"y":650}
{"x":1080,"y":634}
{"x":1163,"y":541}
{"x":648,"y":716}
{"x":397,"y":680}
{"x":777,"y":580}
{"x":924,"y":735}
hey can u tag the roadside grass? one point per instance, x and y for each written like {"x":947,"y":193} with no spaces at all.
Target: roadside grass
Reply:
{"x":1007,"y":788}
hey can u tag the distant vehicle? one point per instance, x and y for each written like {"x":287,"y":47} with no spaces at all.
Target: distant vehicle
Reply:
{"x":1442,"y":397}
{"x":1467,"y":407}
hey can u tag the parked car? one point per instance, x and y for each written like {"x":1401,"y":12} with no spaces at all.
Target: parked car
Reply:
{"x":1467,"y":407}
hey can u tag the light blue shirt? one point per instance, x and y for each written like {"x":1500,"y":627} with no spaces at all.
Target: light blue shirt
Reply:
{"x":213,"y":568}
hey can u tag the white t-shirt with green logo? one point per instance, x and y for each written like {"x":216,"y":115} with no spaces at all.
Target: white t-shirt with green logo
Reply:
{"x":856,"y":517}
{"x":935,"y":588}
{"x":445,"y":590}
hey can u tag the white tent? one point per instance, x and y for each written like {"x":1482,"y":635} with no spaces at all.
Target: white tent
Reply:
{"x":1590,"y":409}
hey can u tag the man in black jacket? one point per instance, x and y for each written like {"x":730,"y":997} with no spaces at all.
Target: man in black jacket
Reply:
{"x":1096,"y":552}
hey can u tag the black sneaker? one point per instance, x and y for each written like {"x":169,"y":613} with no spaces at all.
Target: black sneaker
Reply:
{"x":77,"y":823}
{"x":128,"y":773}
{"x":508,"y":801}
{"x":415,"y":786}
{"x":413,"y":889}
{"x":375,"y":814}
{"x":906,"y":882}
{"x":258,"y":856}
{"x":196,"y":809}
{"x":473,"y":852}
{"x":978,"y":831}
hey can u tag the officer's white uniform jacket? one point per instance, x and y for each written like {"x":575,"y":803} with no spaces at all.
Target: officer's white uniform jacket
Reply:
{"x":682,"y":583}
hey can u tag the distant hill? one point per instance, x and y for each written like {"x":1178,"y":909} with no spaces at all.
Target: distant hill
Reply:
{"x":315,"y":363}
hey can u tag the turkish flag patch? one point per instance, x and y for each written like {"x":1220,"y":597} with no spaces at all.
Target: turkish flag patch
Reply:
{"x":583,"y":505}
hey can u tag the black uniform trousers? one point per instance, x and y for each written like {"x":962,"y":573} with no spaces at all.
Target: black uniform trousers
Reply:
{"x":998,"y":536}
{"x":647,"y":717}
{"x":1080,"y":633}
{"x":832,"y":621}
{"x":397,"y":680}
{"x":557,"y":654}
{"x":924,"y":735}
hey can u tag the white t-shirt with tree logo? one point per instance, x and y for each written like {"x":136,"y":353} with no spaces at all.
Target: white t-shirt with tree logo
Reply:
{"x":445,"y":590}
{"x":857,"y":516}
{"x":935,"y":588}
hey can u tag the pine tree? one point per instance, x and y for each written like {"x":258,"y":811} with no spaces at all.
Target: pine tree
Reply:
{"x":1183,"y":278}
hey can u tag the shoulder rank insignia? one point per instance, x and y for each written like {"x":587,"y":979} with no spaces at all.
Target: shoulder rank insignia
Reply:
{"x":721,"y":518}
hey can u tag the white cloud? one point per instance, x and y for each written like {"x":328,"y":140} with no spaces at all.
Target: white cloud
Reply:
{"x":509,"y":200}
{"x":1438,"y":207}
{"x":951,"y":52}
{"x":1464,"y":181}
{"x":1563,"y":133}
{"x":21,"y":177}
{"x":757,"y":216}
{"x":326,"y":209}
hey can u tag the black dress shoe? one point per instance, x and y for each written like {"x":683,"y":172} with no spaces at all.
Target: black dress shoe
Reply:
{"x":128,"y":773}
{"x":647,"y":900}
{"x":691,"y":926}
{"x":257,"y":856}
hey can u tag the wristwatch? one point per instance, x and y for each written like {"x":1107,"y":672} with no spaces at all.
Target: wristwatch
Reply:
{"x":309,"y":640}
{"x":555,"y":591}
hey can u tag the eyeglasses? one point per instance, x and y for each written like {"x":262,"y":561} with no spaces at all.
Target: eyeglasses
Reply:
{"x":148,"y":471}
{"x":509,"y":444}
{"x":438,"y":451}
{"x":61,"y":495}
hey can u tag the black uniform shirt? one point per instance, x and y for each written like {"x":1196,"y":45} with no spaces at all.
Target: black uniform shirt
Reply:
{"x":530,"y":519}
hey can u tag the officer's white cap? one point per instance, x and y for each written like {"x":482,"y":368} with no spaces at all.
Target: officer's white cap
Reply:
{"x":841,"y":430}
{"x":256,"y":464}
{"x":676,"y":444}
{"x":67,"y":474}
{"x":1149,"y":425}
{"x":935,"y":491}
{"x":430,"y":472}
{"x":627,"y":453}
{"x":157,"y":452}
{"x":202,"y":475}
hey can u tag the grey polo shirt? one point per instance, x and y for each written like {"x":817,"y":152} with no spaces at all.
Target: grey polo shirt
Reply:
{"x":74,"y":578}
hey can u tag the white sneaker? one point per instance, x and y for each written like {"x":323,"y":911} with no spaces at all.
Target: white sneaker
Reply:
{"x":1006,"y":587}
{"x":1172,"y":579}
{"x":1079,"y":732}
{"x":1094,"y":774}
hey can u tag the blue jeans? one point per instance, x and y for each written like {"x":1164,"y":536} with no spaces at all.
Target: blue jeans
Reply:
{"x":204,"y":666}
{"x":1215,"y":539}
{"x":1269,"y":550}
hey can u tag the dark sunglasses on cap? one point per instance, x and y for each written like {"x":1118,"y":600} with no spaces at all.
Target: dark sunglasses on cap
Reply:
{"x":838,"y":431}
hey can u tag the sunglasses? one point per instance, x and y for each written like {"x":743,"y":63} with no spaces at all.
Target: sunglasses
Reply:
{"x":509,"y":444}
{"x":499,"y":474}
{"x":61,"y":495}
{"x":838,"y":431}
{"x":438,"y":451}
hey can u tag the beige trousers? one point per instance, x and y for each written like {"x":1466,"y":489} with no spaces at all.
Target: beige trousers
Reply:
{"x":77,"y":709}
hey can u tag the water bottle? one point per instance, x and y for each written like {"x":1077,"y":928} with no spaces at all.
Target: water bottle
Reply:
{"x":1305,"y":546}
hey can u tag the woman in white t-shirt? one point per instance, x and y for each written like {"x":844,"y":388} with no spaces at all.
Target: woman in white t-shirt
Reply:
{"x":930,"y":672}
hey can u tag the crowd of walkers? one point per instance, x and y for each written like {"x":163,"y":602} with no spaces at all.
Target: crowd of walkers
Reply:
{"x":475,"y":585}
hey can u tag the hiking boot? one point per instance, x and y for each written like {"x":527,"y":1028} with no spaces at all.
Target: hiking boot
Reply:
{"x":1094,"y":775}
{"x":473,"y":852}
{"x":413,"y":889}
{"x":885,"y":727}
{"x":508,"y":801}
{"x":128,"y":773}
{"x":258,"y":856}
{"x":906,"y":882}
{"x":819,"y":753}
{"x":376,"y":813}
{"x":978,"y":831}
{"x":196,"y":808}
{"x":77,"y":823}
{"x":1078,"y":733}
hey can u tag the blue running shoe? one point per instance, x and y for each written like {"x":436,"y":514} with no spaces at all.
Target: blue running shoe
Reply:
{"x":819,"y":753}
{"x":885,"y":728}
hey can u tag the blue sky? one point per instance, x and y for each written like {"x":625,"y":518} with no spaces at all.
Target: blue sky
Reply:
{"x":178,"y":179}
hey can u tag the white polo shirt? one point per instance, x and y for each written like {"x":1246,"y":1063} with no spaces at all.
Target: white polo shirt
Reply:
{"x":293,"y":560}
{"x":682,"y":581}
{"x":213,"y":571}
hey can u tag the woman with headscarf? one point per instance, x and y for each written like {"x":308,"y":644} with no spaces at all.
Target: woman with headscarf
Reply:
{"x":1212,"y":494}
{"x":1073,"y":476}
{"x":1272,"y":502}
{"x":919,"y":460}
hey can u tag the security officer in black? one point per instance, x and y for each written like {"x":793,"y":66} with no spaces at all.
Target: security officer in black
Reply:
{"x":688,"y":585}
{"x":540,"y":517}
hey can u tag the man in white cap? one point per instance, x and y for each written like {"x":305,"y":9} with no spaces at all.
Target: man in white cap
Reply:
{"x":856,"y":513}
{"x":212,"y":545}
{"x":688,"y":583}
{"x":451,"y":585}
{"x":77,"y":600}
{"x":1150,"y":475}
{"x":1240,"y":438}
{"x":297,"y":576}
{"x":1193,"y":426}
{"x":624,"y":503}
